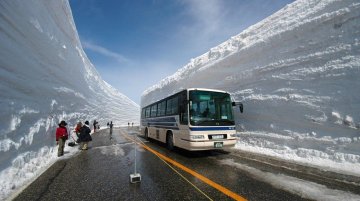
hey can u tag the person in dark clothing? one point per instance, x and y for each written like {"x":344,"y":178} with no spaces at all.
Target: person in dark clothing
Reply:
{"x":85,"y":136}
{"x":94,"y":124}
{"x":111,"y":127}
{"x":61,"y":137}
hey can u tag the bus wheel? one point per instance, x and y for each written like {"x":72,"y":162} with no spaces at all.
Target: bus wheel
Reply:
{"x":146,"y":134}
{"x":170,"y":141}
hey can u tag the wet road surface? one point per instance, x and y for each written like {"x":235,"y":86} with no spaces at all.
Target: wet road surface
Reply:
{"x":102,"y":173}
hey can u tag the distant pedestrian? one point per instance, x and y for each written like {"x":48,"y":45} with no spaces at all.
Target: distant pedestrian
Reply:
{"x":85,"y":136}
{"x":61,"y":137}
{"x":128,"y":124}
{"x":111,"y":127}
{"x":94,"y":124}
{"x":132,"y":124}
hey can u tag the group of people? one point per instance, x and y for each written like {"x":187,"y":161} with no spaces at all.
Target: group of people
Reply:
{"x":82,"y":132}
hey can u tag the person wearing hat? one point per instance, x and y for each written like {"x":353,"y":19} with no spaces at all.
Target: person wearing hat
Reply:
{"x":85,"y":136}
{"x":61,"y":137}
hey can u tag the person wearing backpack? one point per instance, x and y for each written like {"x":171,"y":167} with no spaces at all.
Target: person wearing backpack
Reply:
{"x":61,"y":137}
{"x":85,"y":136}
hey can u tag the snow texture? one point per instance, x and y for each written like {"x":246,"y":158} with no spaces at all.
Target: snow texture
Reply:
{"x":305,"y":189}
{"x":297,"y":74}
{"x":46,"y":77}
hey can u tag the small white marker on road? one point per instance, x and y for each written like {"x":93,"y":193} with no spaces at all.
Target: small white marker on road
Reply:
{"x":136,"y":177}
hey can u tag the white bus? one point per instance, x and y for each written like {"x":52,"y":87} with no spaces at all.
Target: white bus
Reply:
{"x":192,"y":119}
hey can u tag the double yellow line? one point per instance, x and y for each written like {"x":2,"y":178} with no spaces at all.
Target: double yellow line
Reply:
{"x":195,"y":174}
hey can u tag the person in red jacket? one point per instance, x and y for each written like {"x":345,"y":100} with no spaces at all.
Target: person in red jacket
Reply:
{"x":77,"y":128}
{"x":61,"y":137}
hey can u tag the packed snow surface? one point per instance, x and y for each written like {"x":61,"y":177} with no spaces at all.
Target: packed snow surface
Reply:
{"x":46,"y":77}
{"x":305,"y":189}
{"x":297,"y":73}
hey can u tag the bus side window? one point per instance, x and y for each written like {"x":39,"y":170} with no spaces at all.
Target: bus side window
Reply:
{"x":183,"y":109}
{"x":153,"y":110}
{"x":172,"y":106}
{"x":183,"y":114}
{"x":147,"y":112}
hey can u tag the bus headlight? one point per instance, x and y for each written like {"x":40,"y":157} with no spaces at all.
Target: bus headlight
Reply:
{"x":197,"y":137}
{"x":232,"y":135}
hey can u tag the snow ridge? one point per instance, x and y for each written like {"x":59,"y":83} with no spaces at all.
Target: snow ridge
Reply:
{"x":297,"y":74}
{"x":46,"y":77}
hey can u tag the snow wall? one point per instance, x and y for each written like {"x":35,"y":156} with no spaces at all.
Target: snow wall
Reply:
{"x":297,"y":73}
{"x":46,"y":77}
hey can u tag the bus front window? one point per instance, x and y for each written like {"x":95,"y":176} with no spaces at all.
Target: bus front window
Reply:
{"x":210,"y":108}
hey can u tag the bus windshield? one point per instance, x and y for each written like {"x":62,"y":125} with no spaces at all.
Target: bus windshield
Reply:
{"x":210,"y":108}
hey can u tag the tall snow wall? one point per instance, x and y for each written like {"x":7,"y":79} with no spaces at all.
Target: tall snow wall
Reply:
{"x":297,"y":73}
{"x":46,"y":77}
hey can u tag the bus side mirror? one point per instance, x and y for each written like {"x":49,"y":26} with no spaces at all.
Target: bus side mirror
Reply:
{"x":241,"y":106}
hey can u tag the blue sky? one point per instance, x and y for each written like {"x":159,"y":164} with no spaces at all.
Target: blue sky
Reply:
{"x":136,"y":43}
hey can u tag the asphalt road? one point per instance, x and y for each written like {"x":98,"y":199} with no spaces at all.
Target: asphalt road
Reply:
{"x":102,"y":173}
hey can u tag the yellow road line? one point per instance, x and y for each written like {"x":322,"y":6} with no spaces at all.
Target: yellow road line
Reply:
{"x":195,"y":174}
{"x":187,"y":180}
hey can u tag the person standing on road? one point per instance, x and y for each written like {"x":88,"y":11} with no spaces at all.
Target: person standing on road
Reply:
{"x":85,"y":136}
{"x":77,"y":129}
{"x":94,"y":124}
{"x":61,"y":137}
{"x":111,"y":127}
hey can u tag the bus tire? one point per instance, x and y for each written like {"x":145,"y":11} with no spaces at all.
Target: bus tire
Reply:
{"x":170,"y":141}
{"x":146,"y":134}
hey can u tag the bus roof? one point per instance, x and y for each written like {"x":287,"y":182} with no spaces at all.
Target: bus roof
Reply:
{"x":187,"y":89}
{"x":206,"y":89}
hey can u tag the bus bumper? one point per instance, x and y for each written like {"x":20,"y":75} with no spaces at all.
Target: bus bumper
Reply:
{"x":207,"y":145}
